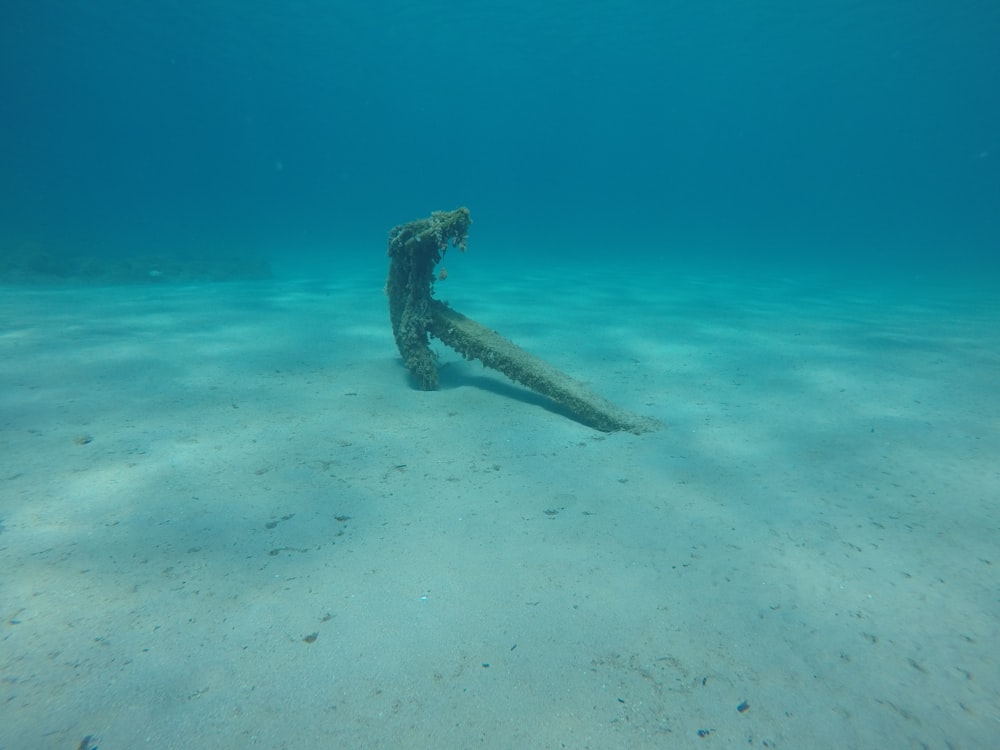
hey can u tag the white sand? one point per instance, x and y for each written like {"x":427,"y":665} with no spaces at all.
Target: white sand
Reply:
{"x":194,"y":479}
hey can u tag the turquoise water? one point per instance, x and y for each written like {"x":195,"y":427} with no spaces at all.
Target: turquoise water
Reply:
{"x":821,"y":134}
{"x":228,"y":517}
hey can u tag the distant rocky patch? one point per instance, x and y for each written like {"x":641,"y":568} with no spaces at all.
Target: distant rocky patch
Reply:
{"x":38,"y":266}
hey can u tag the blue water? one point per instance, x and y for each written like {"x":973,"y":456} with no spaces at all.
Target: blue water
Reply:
{"x":228,"y":517}
{"x":817,"y":133}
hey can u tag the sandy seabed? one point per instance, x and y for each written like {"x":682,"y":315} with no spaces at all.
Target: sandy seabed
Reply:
{"x":227,"y":519}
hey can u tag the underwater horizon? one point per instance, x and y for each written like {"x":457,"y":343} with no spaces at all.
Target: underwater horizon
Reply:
{"x":827,"y":135}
